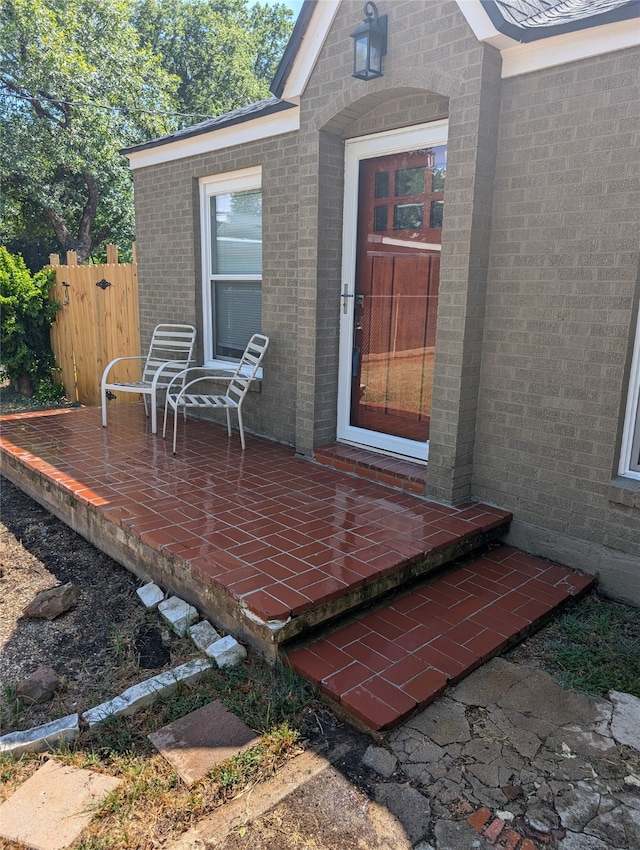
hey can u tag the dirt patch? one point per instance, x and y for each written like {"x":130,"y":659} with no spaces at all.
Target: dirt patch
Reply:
{"x":98,"y":648}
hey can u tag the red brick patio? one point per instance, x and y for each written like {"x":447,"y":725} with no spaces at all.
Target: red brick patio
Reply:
{"x":269,"y":545}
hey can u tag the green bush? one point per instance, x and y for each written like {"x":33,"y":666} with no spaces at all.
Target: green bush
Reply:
{"x":27,"y":314}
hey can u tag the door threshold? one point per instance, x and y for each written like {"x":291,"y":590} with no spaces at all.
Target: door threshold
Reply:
{"x":382,"y":467}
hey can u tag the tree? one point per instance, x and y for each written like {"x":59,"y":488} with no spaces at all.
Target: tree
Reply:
{"x":76,"y":86}
{"x":224,"y":52}
{"x":81,"y":79}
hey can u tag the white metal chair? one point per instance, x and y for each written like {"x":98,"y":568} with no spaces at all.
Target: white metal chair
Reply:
{"x":181,"y":395}
{"x":170,"y":352}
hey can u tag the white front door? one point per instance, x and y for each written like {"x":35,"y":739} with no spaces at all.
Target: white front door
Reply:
{"x":394,"y":198}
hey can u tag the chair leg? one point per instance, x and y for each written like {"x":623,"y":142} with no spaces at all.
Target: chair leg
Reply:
{"x":175,"y":427}
{"x":104,"y":408}
{"x":240,"y":427}
{"x":154,"y":414}
{"x":228,"y":412}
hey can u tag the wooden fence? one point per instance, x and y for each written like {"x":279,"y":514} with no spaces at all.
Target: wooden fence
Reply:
{"x":98,"y":320}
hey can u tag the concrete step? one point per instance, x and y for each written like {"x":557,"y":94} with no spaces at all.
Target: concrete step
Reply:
{"x":388,"y":662}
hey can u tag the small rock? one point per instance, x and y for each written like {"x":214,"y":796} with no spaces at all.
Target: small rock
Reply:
{"x":39,"y":687}
{"x":226,"y":652}
{"x":51,"y":603}
{"x":178,"y":614}
{"x":150,"y":595}
{"x":203,"y":635}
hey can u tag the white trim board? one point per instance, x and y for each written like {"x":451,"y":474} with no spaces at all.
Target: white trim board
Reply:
{"x":287,"y":121}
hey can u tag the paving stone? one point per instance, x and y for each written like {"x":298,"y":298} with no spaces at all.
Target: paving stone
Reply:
{"x":380,"y":760}
{"x":147,"y":692}
{"x":200,"y":740}
{"x":203,"y":635}
{"x":631,"y":818}
{"x":227,"y":652}
{"x":609,"y":827}
{"x":558,"y":706}
{"x":584,"y":741}
{"x":526,"y":743}
{"x":50,"y":810}
{"x":444,"y":722}
{"x":41,"y":738}
{"x":625,"y":722}
{"x":485,"y":686}
{"x":458,"y":835}
{"x":150,"y":595}
{"x":580,"y":841}
{"x":542,"y":818}
{"x":410,"y":807}
{"x":577,"y":807}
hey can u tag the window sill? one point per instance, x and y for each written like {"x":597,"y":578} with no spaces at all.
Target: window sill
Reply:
{"x":625,"y":491}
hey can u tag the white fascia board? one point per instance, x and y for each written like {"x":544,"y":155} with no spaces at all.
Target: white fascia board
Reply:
{"x":519,"y":58}
{"x":570,"y":47}
{"x":307,"y":56}
{"x":265,"y":127}
{"x":481,"y":24}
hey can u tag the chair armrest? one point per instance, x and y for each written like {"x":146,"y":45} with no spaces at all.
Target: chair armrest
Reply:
{"x":110,"y":365}
{"x":158,"y":373}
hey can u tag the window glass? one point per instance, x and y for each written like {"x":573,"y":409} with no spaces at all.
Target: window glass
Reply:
{"x":232,"y":262}
{"x":382,"y":184}
{"x":236,"y":239}
{"x":237,"y":316}
{"x":379,"y":218}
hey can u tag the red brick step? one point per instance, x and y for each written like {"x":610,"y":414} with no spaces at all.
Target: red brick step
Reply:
{"x":395,"y":659}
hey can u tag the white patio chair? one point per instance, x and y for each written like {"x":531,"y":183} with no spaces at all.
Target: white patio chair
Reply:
{"x":170,"y":352}
{"x":181,"y":395}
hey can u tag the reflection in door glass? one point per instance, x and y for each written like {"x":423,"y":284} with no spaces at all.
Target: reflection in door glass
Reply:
{"x":408,"y":216}
{"x":410,"y":181}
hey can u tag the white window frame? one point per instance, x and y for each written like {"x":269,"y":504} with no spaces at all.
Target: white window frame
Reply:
{"x":631,"y":430}
{"x":220,"y":184}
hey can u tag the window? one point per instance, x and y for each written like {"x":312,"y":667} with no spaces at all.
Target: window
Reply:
{"x":231,"y":207}
{"x":630,"y":455}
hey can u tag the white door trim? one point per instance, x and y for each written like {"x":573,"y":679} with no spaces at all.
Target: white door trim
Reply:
{"x":367,"y":147}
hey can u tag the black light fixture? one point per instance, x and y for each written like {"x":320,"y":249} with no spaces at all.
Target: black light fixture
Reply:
{"x":369,"y":44}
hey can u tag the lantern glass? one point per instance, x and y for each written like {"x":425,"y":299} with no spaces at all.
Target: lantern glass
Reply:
{"x":361,"y":51}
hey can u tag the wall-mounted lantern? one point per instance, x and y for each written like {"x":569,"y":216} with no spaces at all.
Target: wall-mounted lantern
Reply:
{"x":369,"y":44}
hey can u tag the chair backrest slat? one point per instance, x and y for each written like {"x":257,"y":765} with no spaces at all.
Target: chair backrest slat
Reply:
{"x":169,"y":342}
{"x":247,"y":368}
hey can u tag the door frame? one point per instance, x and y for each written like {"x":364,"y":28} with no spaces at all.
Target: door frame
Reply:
{"x":368,"y":147}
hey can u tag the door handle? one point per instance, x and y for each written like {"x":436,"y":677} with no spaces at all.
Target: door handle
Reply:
{"x":345,"y":294}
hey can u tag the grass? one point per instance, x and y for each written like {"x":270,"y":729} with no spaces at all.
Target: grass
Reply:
{"x":152,"y":804}
{"x":594,"y":647}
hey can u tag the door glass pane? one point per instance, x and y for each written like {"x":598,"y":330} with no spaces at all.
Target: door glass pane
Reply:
{"x":380,"y":218}
{"x":408,"y":216}
{"x":236,"y":233}
{"x":435,"y":215}
{"x":237,"y":316}
{"x":382,"y":184}
{"x":410,"y":181}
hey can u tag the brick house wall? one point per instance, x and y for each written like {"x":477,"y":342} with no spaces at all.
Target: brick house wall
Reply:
{"x":560,"y":318}
{"x":169,"y":262}
{"x":539,"y":275}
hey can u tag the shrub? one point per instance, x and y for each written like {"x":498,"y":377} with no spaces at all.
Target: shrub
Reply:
{"x":27,"y":316}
